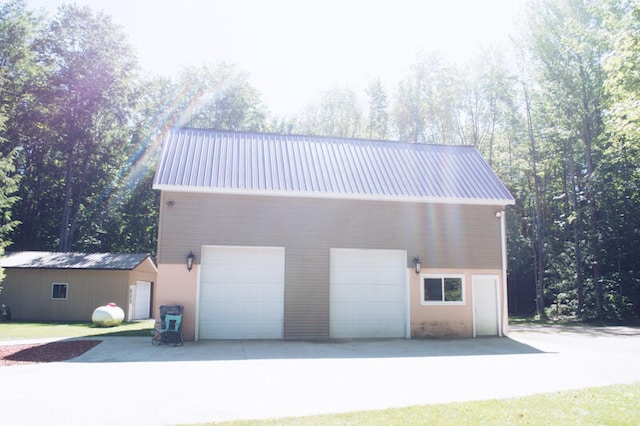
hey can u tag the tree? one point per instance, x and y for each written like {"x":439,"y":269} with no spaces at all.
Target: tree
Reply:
{"x":539,"y":223}
{"x":566,"y":44}
{"x":18,"y":74}
{"x":378,"y":117}
{"x":218,"y":97}
{"x":622,"y":66}
{"x":425,"y":104}
{"x":69,"y":121}
{"x":8,"y":188}
{"x":621,"y":156}
{"x":90,"y":67}
{"x":485,"y":99}
{"x":15,"y":29}
{"x":336,"y":113}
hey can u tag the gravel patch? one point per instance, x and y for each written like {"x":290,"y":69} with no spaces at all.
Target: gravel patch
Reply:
{"x":44,"y":352}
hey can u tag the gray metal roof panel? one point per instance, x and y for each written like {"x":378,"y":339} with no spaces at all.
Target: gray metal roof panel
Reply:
{"x":59,"y":260}
{"x":216,"y":161}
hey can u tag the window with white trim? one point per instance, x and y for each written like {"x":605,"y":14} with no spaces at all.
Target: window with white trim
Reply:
{"x":59,"y":291}
{"x":445,"y":289}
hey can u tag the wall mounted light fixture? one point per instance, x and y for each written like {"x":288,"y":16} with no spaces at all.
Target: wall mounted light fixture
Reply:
{"x":190,"y":258}
{"x":417,"y":264}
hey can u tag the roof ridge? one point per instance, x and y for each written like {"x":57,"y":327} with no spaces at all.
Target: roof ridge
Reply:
{"x":315,"y":137}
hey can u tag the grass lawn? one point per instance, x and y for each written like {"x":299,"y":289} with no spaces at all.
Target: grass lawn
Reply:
{"x":517,"y":320}
{"x":611,"y":405}
{"x":15,"y":330}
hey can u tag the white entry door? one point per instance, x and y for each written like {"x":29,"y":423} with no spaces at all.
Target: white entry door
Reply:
{"x":367,"y":293}
{"x":486,"y":317}
{"x":241,"y":293}
{"x":142,"y":304}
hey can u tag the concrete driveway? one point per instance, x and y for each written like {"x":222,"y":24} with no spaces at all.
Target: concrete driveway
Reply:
{"x":127,"y":381}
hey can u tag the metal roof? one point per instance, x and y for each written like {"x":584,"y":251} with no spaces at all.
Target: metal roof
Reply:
{"x":309,"y":166}
{"x":57,"y":260}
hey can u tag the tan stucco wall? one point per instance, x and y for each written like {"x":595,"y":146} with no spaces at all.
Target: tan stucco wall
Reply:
{"x":445,"y":320}
{"x":177,"y":286}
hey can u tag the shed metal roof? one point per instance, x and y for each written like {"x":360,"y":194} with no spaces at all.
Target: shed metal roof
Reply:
{"x":195,"y":160}
{"x":58,"y":260}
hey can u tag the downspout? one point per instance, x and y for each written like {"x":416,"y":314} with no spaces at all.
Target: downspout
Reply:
{"x":503,"y":243}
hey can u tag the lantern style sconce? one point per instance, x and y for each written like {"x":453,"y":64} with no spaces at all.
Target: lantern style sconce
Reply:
{"x":416,"y":263}
{"x":190,"y":258}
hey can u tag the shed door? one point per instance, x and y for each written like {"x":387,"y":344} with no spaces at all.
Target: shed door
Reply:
{"x":241,"y":293}
{"x":142,"y":304}
{"x":485,"y":305}
{"x":368,"y":293}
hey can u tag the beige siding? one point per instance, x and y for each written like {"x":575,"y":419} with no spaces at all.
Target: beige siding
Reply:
{"x":146,"y":267}
{"x":445,"y":236}
{"x":28,"y":293}
{"x":146,"y":271}
{"x":141,"y":276}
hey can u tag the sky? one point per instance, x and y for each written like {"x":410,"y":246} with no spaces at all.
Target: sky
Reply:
{"x":294,"y":50}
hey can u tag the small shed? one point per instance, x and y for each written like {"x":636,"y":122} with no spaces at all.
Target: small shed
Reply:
{"x":51,"y":286}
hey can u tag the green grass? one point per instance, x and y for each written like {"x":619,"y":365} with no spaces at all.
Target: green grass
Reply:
{"x":611,"y":405}
{"x":514,"y":320}
{"x":517,"y":320}
{"x":15,"y":330}
{"x":547,"y":321}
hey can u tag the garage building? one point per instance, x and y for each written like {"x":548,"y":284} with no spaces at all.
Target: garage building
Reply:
{"x":316,"y":238}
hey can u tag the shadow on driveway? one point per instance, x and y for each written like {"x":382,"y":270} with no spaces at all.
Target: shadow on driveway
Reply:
{"x":130,"y":349}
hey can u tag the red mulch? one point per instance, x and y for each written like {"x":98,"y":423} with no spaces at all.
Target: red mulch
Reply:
{"x":44,"y":352}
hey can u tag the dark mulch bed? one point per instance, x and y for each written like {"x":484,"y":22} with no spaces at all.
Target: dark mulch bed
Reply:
{"x":44,"y":352}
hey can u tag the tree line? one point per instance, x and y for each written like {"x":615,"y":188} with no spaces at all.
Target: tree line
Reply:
{"x":556,"y":115}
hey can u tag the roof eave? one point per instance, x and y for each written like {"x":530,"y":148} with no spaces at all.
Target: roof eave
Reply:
{"x":69,"y":268}
{"x":148,"y":258}
{"x":337,"y":196}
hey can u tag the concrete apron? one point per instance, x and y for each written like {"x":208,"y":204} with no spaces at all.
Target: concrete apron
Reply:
{"x":128,"y":381}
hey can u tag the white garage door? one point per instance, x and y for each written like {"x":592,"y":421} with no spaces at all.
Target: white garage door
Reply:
{"x":241,"y":293}
{"x":368,"y":293}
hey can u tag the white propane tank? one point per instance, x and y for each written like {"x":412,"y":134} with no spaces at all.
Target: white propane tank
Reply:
{"x":108,"y":315}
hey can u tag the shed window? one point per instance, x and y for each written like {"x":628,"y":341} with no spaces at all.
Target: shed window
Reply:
{"x":59,"y":291}
{"x":442,"y":289}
